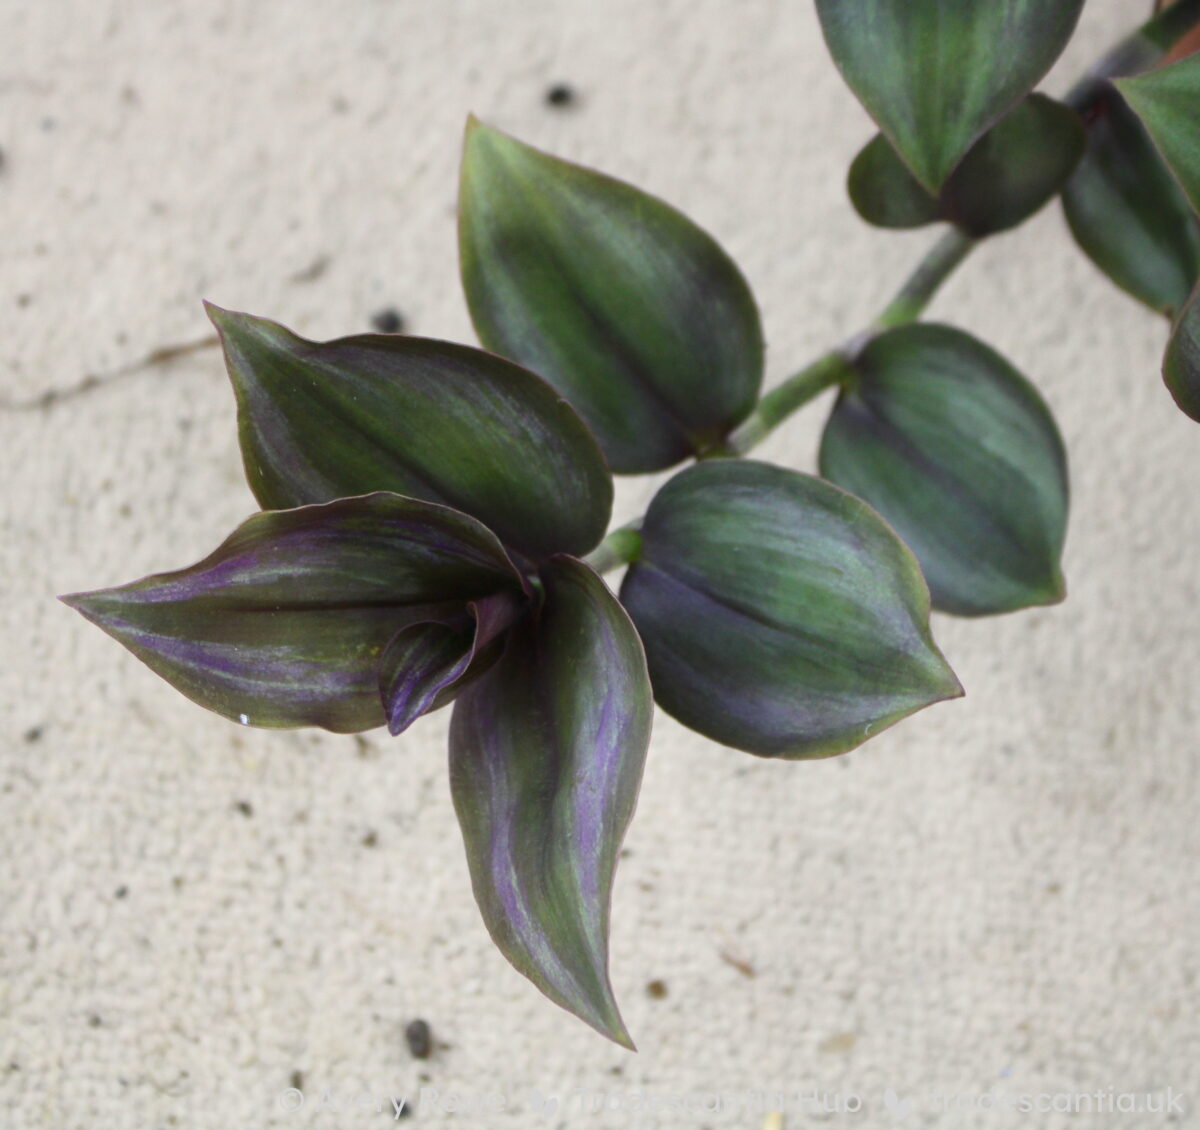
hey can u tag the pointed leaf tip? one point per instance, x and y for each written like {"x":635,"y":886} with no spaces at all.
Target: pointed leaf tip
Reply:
{"x":546,"y":758}
{"x":780,"y":615}
{"x":426,"y":419}
{"x":284,"y":623}
{"x":630,"y":310}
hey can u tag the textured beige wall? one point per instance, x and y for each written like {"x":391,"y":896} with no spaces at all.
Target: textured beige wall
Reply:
{"x":1000,"y":892}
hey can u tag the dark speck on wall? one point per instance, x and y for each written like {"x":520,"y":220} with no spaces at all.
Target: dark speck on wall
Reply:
{"x":388,"y":321}
{"x":120,"y":892}
{"x":34,"y":733}
{"x":560,"y":95}
{"x":657,"y":990}
{"x":244,"y":807}
{"x":297,"y":1080}
{"x":419,"y":1037}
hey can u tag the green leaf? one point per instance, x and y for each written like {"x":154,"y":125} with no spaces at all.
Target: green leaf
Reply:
{"x":884,"y":191}
{"x":1168,"y":102}
{"x":1126,"y":211}
{"x":780,"y":615}
{"x":427,"y":419}
{"x":546,"y":758}
{"x":623,"y":304}
{"x":936,"y":74}
{"x":1008,"y":175}
{"x":1181,"y":367}
{"x":284,"y":624}
{"x":961,"y":455}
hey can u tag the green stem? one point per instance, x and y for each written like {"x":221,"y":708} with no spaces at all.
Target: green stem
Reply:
{"x":837,"y":366}
{"x":916,"y":294}
{"x":780,"y":403}
{"x":620,"y":548}
{"x":1136,"y":52}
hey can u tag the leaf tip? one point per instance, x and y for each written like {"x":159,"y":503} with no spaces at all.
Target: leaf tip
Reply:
{"x":477,"y":130}
{"x":605,"y":1017}
{"x":81,"y":602}
{"x":218,"y":315}
{"x":1056,"y":590}
{"x":398,"y":723}
{"x":622,"y":1038}
{"x":952,"y":687}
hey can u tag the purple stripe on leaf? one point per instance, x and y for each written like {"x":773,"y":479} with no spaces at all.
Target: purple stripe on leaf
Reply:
{"x":546,"y":758}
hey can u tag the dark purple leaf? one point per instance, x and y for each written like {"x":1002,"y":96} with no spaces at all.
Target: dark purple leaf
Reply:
{"x":424,"y":665}
{"x":546,"y":757}
{"x":284,"y":624}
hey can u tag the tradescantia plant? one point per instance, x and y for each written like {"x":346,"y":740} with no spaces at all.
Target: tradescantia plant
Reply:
{"x":433,"y":516}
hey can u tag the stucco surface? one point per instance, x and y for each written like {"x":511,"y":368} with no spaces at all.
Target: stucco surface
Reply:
{"x":999,"y":893}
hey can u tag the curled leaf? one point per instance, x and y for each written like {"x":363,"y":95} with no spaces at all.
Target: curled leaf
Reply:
{"x":284,"y":624}
{"x":427,"y":419}
{"x":546,"y":758}
{"x":624,"y":305}
{"x":426,"y":664}
{"x":936,"y":74}
{"x":780,"y":614}
{"x":1126,"y":211}
{"x":960,"y":454}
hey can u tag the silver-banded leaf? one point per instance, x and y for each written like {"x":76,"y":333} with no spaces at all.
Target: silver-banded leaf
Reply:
{"x":284,"y":624}
{"x":960,"y":454}
{"x":428,"y":419}
{"x":1168,"y":102}
{"x":935,"y":74}
{"x":1127,"y":212}
{"x":425,"y":665}
{"x":546,"y":758}
{"x":780,"y":614}
{"x":629,"y":309}
{"x":1181,"y":366}
{"x":1007,"y":176}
